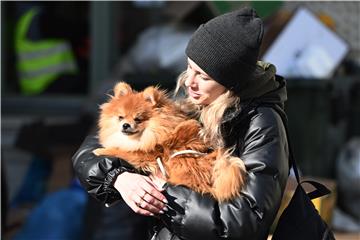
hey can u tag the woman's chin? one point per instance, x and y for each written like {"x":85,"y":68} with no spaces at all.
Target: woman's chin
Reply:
{"x":198,"y":100}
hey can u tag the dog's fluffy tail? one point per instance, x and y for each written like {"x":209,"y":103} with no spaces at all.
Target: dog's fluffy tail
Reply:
{"x":228,"y":176}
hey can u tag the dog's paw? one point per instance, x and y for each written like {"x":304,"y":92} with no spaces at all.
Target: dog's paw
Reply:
{"x":99,"y":151}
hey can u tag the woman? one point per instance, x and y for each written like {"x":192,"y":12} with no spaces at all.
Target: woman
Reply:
{"x":240,"y":104}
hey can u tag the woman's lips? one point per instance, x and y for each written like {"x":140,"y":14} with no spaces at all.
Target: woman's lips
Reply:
{"x":193,"y":94}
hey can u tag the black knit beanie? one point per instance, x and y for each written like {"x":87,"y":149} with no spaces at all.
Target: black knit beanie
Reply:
{"x":227,"y":47}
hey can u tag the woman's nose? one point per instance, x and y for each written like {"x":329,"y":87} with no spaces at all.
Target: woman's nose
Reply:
{"x":191,"y":79}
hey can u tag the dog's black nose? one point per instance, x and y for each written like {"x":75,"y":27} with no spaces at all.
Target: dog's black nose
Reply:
{"x":126,"y":126}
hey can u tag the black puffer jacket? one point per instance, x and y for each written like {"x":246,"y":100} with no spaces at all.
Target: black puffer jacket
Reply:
{"x":260,"y":137}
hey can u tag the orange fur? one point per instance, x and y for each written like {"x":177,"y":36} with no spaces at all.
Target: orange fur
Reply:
{"x":142,"y":126}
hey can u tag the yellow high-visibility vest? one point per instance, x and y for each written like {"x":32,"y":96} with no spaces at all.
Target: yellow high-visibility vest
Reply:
{"x":39,"y":63}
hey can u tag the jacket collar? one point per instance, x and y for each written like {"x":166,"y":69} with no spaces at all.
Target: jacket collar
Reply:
{"x":276,"y":96}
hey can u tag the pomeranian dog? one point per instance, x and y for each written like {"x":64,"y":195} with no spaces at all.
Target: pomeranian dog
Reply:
{"x":149,"y":131}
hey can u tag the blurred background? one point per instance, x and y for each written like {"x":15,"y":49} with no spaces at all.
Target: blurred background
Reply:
{"x":59,"y":59}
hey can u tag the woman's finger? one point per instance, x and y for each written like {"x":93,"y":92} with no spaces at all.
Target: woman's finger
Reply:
{"x":152,"y":189}
{"x":150,"y":204}
{"x":154,"y":200}
{"x":134,"y":206}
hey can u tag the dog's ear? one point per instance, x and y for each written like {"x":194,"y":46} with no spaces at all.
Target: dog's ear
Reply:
{"x":122,"y":89}
{"x":154,"y":95}
{"x":103,"y":106}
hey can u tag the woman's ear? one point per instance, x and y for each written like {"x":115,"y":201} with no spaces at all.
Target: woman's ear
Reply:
{"x":122,"y":89}
{"x":154,"y":95}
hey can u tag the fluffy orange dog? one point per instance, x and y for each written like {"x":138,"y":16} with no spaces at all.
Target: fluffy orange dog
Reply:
{"x":143,"y":127}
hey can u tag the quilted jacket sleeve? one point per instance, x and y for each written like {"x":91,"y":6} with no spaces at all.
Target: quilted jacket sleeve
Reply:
{"x":265,"y":154}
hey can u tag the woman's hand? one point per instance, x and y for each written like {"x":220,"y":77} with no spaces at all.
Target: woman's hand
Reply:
{"x":141,"y":194}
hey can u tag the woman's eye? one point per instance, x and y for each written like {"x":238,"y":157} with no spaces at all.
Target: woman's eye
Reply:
{"x":204,"y":78}
{"x":137,"y":120}
{"x":121,"y":118}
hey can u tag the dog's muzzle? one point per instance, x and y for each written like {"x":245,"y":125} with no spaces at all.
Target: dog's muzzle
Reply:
{"x":127,"y":129}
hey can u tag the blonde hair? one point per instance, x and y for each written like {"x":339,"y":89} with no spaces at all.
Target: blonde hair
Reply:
{"x":210,"y":115}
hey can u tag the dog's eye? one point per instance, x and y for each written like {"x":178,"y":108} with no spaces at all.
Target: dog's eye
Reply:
{"x":137,"y":120}
{"x":121,"y":118}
